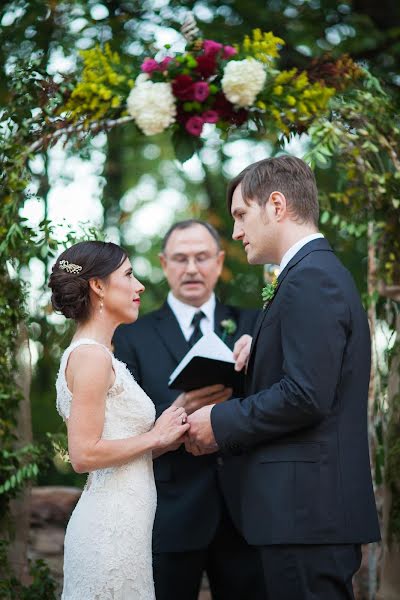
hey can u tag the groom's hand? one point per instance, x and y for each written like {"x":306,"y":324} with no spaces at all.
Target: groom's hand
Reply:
{"x":212,"y":394}
{"x":241,"y":351}
{"x":200,"y":437}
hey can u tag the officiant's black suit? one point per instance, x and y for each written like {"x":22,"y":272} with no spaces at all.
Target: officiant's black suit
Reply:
{"x":306,"y":489}
{"x":197,"y":495}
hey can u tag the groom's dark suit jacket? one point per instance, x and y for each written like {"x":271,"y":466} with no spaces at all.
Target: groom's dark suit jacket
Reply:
{"x":302,"y":425}
{"x":189,"y":488}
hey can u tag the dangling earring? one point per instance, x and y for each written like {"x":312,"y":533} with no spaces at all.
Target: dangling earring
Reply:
{"x":101,"y":305}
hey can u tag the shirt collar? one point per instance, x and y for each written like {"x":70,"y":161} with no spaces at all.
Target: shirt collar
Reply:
{"x":185,"y":312}
{"x":293,"y":250}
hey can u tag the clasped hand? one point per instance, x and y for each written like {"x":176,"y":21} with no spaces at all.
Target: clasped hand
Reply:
{"x":199,"y":439}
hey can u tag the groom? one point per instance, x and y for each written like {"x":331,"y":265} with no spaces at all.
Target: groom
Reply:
{"x":306,"y":492}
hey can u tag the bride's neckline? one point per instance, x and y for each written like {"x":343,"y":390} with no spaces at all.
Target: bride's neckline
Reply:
{"x":89,"y":339}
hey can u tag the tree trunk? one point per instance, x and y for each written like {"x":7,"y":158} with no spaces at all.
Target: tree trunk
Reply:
{"x":367,"y":585}
{"x":390,"y":573}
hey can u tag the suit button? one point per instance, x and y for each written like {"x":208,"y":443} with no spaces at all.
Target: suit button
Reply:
{"x":220,"y":461}
{"x":235,"y":448}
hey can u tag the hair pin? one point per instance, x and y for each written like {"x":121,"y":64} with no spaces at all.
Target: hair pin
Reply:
{"x":70,"y":267}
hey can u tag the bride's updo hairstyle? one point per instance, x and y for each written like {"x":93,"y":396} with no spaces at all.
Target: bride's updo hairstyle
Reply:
{"x":69,"y":279}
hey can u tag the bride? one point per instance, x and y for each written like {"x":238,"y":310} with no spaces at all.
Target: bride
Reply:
{"x":111,"y":429}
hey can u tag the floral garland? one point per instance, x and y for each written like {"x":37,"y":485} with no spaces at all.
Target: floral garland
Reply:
{"x":209,"y":82}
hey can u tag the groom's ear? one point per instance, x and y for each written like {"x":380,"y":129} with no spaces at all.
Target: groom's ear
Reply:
{"x":278,"y":204}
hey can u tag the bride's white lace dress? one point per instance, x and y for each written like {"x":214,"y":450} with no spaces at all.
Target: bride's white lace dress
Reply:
{"x":107,"y":552}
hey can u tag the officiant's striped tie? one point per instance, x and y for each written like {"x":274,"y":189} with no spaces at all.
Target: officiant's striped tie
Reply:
{"x":197,"y":333}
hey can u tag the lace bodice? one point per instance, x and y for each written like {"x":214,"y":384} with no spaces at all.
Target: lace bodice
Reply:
{"x":107,"y":552}
{"x":129,"y":410}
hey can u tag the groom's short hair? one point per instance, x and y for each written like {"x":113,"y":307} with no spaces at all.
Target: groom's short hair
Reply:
{"x":286,"y":174}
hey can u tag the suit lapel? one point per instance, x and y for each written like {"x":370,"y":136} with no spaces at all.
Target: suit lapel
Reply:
{"x":257,"y":327}
{"x":170,"y":332}
{"x":318,"y":244}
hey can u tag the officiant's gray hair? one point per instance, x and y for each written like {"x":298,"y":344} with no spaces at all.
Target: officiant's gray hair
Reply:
{"x":286,"y":174}
{"x":186,"y":225}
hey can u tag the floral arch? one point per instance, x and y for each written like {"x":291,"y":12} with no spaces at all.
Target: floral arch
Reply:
{"x":351,"y":121}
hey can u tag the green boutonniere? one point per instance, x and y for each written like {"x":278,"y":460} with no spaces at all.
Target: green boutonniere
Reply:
{"x":229,"y":327}
{"x":268,"y":291}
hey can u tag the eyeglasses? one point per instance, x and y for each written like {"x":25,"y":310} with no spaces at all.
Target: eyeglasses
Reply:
{"x":182,"y":260}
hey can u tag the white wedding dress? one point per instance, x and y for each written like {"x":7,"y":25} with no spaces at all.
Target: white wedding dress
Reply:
{"x":107,"y":551}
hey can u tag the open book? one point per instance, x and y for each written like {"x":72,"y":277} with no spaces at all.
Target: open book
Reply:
{"x":208,"y":362}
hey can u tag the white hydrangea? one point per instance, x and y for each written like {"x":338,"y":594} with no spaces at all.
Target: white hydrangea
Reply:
{"x":152,"y":105}
{"x":243,"y":80}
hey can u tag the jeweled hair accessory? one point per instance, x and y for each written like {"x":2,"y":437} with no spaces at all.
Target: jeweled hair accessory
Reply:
{"x":70,"y":267}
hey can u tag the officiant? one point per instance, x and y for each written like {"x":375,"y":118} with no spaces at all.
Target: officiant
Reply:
{"x":197,"y":495}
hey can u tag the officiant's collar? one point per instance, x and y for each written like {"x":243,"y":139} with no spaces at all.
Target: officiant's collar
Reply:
{"x":184,"y":312}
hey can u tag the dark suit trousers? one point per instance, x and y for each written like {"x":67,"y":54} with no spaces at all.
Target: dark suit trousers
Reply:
{"x":233,"y":569}
{"x":310,"y":572}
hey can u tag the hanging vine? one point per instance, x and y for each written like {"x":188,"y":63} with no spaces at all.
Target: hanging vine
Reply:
{"x":237,"y":88}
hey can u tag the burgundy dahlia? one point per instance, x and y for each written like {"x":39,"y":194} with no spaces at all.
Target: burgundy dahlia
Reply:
{"x":182,"y":87}
{"x":227,"y":112}
{"x":206,"y":65}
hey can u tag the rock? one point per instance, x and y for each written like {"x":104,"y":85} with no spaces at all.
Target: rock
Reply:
{"x":53,"y":504}
{"x":51,"y":508}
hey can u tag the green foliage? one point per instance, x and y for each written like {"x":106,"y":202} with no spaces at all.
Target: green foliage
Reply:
{"x":17,"y":476}
{"x":184,"y":146}
{"x":12,"y":314}
{"x":43,"y":586}
{"x":363,"y":135}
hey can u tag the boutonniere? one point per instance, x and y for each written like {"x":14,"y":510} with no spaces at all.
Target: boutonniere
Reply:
{"x":228,"y":328}
{"x":268,"y":292}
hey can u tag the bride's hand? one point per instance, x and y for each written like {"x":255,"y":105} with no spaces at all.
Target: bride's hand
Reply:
{"x":170,"y":427}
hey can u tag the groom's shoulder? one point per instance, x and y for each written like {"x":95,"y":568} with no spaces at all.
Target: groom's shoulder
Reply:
{"x":327,"y":260}
{"x":323,"y":267}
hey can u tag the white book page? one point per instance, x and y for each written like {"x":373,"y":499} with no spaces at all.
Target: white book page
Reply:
{"x":208,"y":346}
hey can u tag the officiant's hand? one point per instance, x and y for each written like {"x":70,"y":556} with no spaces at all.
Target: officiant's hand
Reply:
{"x":200,"y":437}
{"x":241,"y":351}
{"x":212,"y":394}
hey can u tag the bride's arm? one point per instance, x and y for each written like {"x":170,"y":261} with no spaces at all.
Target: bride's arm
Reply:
{"x":89,"y":376}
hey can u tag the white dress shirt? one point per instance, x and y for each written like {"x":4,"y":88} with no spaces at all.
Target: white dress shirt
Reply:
{"x":185,"y":313}
{"x":293,"y":250}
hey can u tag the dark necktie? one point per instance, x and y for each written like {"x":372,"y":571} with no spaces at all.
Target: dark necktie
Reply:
{"x":197,"y":333}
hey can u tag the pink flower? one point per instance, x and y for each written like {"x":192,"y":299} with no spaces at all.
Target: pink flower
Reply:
{"x":229,"y":51}
{"x":194,"y":125}
{"x":201,"y":91}
{"x":210,"y":116}
{"x":149,"y":65}
{"x":210,"y":47}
